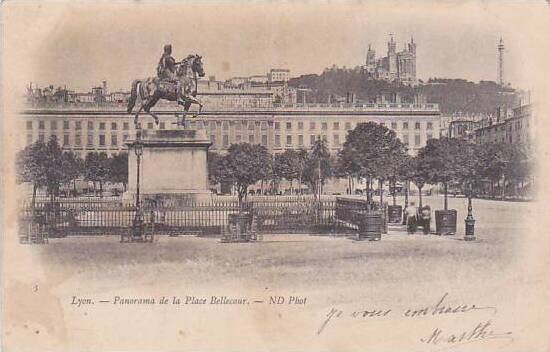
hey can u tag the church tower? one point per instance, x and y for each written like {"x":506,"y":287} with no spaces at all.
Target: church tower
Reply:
{"x":396,"y":66}
{"x":392,"y":58}
{"x":412,"y":46}
{"x":412,"y":50}
{"x":370,"y":63}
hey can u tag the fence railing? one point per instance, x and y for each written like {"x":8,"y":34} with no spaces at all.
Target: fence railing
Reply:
{"x":111,"y":217}
{"x":350,"y":212}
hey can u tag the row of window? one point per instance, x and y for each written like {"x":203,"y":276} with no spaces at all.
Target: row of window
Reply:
{"x":312,"y":139}
{"x":336,"y":125}
{"x":78,"y":125}
{"x":77,"y":139}
{"x":239,"y":125}
{"x":224,"y":125}
{"x":238,"y":139}
{"x":336,"y":140}
{"x":251,"y":125}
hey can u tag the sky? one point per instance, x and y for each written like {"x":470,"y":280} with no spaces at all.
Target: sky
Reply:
{"x":82,"y":44}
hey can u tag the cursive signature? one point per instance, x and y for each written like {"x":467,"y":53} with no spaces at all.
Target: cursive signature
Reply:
{"x":481,"y":332}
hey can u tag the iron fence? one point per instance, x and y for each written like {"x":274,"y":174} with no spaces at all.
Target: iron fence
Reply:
{"x":349,"y":212}
{"x":111,"y":217}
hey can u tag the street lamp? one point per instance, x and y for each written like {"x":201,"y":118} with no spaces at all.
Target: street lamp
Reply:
{"x":406,"y":205}
{"x":319,"y":174}
{"x":319,"y":188}
{"x":137,"y":224}
{"x":470,"y":221}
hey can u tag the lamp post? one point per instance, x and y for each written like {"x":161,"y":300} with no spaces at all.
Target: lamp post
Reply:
{"x":318,"y":190}
{"x":469,"y":221}
{"x":137,"y":224}
{"x":406,"y":205}
{"x":319,"y":177}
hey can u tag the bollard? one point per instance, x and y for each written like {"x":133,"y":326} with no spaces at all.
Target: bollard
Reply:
{"x":470,"y":229}
{"x":470,"y":223}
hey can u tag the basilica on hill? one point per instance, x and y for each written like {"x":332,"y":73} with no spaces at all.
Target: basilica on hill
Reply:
{"x":396,"y":66}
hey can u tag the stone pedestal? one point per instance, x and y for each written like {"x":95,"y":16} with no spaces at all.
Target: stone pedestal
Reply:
{"x":173,"y":166}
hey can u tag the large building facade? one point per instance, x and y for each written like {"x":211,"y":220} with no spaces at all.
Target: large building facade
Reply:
{"x":518,"y":127}
{"x":395,"y":66}
{"x":237,"y":93}
{"x":100,"y":130}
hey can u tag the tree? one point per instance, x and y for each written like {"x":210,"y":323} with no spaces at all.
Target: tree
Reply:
{"x":472,"y":168}
{"x":517,"y":166}
{"x":287,"y":165}
{"x":440,"y":158}
{"x":212,"y":160}
{"x":395,"y":164}
{"x":347,"y":167}
{"x":318,"y":166}
{"x":118,"y":169}
{"x":97,"y":169}
{"x":243,"y":165}
{"x":369,"y":151}
{"x":215,"y":173}
{"x":494,"y":160}
{"x":453,"y":95}
{"x":389,"y":164}
{"x":417,"y":173}
{"x":54,"y":167}
{"x":31,"y":168}
{"x":404,"y":174}
{"x":73,"y":167}
{"x":301,"y":156}
{"x":46,"y":165}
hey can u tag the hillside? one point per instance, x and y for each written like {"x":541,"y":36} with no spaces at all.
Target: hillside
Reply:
{"x":453,"y":95}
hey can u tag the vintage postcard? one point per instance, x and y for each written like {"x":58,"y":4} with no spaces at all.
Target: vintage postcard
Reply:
{"x":274,"y":176}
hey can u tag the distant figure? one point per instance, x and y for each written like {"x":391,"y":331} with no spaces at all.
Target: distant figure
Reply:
{"x":424,"y":218}
{"x":410,"y":214}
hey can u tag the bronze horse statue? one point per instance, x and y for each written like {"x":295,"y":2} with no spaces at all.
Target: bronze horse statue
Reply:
{"x":152,"y":89}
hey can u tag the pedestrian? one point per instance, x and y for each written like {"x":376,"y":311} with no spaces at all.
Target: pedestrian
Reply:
{"x":425,"y":216}
{"x":410,"y":216}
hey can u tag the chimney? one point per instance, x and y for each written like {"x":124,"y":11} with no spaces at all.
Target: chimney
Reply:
{"x":104,"y":87}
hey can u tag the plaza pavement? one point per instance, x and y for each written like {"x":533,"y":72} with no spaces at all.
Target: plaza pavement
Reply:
{"x":331,"y":271}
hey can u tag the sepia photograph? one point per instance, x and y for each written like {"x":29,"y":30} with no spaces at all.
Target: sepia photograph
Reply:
{"x":274,"y":176}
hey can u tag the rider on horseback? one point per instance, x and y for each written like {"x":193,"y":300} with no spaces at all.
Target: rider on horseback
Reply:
{"x":166,"y":70}
{"x":183,"y":75}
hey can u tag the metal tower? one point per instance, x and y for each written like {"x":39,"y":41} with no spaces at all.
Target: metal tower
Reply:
{"x":500,"y":48}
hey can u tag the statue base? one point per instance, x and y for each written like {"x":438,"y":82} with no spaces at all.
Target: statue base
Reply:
{"x":173,"y":166}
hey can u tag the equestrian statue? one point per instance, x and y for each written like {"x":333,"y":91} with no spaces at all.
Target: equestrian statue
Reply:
{"x":175,"y":81}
